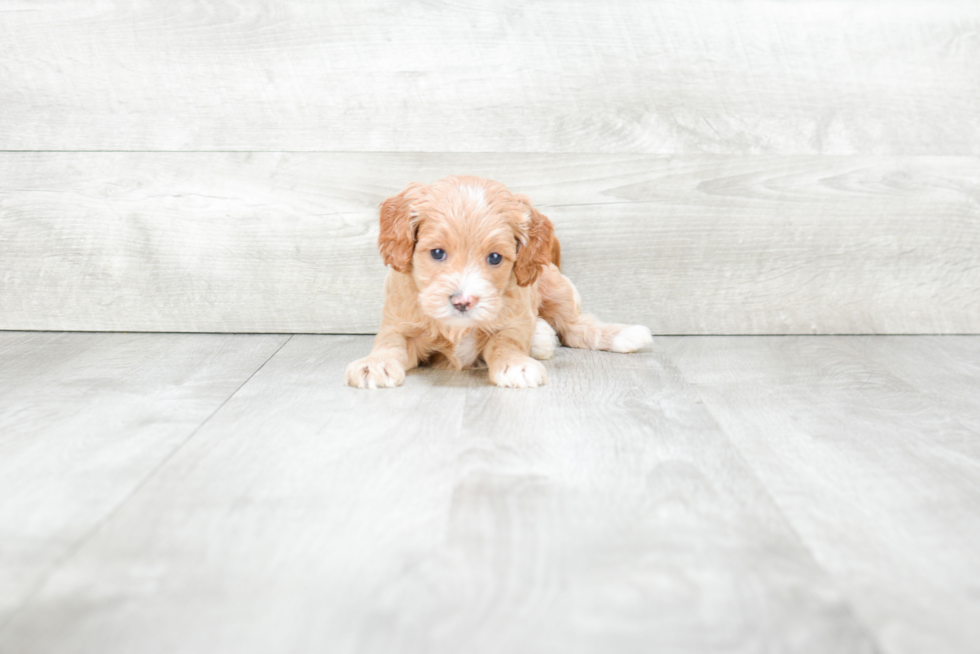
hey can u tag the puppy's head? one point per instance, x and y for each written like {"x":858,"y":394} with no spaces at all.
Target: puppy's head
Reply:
{"x":465,"y":241}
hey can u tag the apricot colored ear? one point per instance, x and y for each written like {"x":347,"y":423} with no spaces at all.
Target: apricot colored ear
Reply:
{"x":396,"y":238}
{"x":536,"y":248}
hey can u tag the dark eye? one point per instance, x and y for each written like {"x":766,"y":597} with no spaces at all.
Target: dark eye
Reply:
{"x":438,"y":254}
{"x":494,"y":259}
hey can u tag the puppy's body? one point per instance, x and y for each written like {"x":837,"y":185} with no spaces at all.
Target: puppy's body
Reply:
{"x":475,"y":281}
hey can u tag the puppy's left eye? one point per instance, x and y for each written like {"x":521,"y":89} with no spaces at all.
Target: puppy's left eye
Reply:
{"x":494,"y":259}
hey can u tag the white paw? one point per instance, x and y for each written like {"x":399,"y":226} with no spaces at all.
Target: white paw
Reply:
{"x":544,"y":341}
{"x":631,"y":339}
{"x":519,"y":373}
{"x":371,"y":372}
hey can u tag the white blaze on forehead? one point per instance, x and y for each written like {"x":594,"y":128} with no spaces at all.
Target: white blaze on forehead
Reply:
{"x":471,"y":282}
{"x":475,"y":195}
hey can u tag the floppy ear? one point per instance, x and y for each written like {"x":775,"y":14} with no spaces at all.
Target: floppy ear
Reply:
{"x":396,"y":238}
{"x":536,"y":247}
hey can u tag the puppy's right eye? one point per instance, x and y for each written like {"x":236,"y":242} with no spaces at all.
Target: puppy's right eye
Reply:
{"x":438,"y":254}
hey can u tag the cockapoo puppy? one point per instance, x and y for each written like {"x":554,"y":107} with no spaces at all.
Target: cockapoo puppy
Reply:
{"x":475,"y":281}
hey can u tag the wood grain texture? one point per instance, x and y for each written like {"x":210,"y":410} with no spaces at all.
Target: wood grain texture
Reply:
{"x":603,"y":512}
{"x":878,"y":473}
{"x":947,"y":368}
{"x":84,"y":419}
{"x":836,"y":77}
{"x":285,"y":242}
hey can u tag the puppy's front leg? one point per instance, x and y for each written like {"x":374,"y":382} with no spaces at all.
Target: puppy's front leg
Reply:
{"x":506,"y":354}
{"x":386,"y":365}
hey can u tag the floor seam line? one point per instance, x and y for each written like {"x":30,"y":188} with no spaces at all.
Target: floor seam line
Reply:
{"x":845,"y":597}
{"x":91,"y":533}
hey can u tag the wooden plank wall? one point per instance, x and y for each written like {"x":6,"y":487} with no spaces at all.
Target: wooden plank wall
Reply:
{"x":711,"y":167}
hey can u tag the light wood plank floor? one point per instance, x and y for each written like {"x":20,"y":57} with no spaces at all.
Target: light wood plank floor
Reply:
{"x":226,"y":493}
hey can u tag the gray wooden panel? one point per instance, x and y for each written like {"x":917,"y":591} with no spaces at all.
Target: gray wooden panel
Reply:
{"x":831,"y":77}
{"x":285,"y":242}
{"x":603,"y":512}
{"x":85,"y":419}
{"x":879,"y":478}
{"x":944,"y":367}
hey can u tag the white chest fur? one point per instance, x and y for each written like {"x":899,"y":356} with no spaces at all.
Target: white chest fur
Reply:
{"x":466,"y":350}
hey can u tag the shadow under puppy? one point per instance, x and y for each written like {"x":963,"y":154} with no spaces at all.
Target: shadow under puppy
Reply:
{"x":475,"y":281}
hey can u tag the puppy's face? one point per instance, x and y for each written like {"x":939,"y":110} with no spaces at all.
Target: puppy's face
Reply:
{"x":464,"y":259}
{"x":465,"y":241}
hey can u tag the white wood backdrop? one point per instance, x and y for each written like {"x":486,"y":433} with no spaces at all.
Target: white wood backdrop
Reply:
{"x":712,"y":167}
{"x":830,"y":77}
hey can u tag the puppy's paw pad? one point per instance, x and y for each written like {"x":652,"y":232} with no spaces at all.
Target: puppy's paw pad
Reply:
{"x":631,"y":339}
{"x":544,"y":341}
{"x":370,"y":372}
{"x":521,"y":373}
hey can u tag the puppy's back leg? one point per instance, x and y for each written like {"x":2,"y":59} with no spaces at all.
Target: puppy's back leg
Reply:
{"x":543,"y":341}
{"x":561,"y":306}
